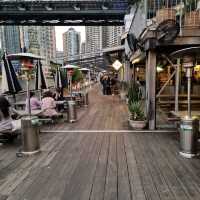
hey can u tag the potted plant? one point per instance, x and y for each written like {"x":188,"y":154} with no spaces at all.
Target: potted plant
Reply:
{"x":192,"y":15}
{"x":137,"y":118}
{"x":165,"y":12}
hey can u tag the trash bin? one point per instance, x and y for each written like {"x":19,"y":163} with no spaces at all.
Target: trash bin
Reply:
{"x":72,"y":115}
{"x":188,"y":137}
{"x":85,"y":99}
{"x":30,"y":135}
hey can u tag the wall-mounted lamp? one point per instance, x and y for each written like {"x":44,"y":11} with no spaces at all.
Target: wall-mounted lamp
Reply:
{"x":117,"y":65}
{"x":48,"y":7}
{"x":77,"y":7}
{"x":21,"y":7}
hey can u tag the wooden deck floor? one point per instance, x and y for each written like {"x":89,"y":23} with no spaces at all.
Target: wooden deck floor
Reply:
{"x":100,"y":165}
{"x":103,"y":113}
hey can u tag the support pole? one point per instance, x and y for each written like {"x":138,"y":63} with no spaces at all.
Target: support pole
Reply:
{"x":28,"y":95}
{"x":177,"y":85}
{"x":151,"y":88}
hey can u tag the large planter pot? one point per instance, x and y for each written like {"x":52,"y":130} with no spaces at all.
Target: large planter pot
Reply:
{"x":165,"y":14}
{"x":192,"y":19}
{"x":137,"y":124}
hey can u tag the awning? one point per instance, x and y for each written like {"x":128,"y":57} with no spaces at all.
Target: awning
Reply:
{"x":137,"y":57}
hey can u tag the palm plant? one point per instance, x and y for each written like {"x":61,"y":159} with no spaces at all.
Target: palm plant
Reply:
{"x":134,"y":93}
{"x":136,"y":111}
{"x":134,"y":102}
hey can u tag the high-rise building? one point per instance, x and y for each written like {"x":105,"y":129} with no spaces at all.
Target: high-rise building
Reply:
{"x":93,"y":38}
{"x":71,"y":44}
{"x":99,"y":37}
{"x":10,"y":39}
{"x":39,"y":40}
{"x":114,"y":35}
{"x":30,"y":39}
{"x":47,"y":41}
{"x":83,"y":47}
{"x":59,"y":57}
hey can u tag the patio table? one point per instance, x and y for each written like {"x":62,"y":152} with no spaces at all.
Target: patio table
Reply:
{"x":25,"y":113}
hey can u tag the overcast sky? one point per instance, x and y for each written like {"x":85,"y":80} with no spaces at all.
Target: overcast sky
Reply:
{"x":61,"y":29}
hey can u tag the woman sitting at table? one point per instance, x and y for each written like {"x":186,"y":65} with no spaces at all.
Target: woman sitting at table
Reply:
{"x":7,"y":124}
{"x":35,"y":104}
{"x":49,"y":105}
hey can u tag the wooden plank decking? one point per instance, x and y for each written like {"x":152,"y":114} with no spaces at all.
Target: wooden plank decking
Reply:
{"x":97,"y":166}
{"x":103,"y":113}
{"x":100,"y":165}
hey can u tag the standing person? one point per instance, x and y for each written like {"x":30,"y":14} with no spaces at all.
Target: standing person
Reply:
{"x":35,"y":104}
{"x":108,"y":89}
{"x":104,"y":84}
{"x":59,"y":97}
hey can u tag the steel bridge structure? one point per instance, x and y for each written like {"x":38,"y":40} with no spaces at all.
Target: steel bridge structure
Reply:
{"x":63,"y":12}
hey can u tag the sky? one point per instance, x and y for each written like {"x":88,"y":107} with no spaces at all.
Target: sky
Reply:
{"x":61,"y":29}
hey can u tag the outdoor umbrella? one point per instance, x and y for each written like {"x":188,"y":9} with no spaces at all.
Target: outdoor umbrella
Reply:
{"x":24,"y":55}
{"x":10,"y":83}
{"x":40,"y":81}
{"x":70,"y":67}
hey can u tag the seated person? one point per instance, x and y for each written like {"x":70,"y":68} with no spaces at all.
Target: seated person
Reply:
{"x":35,"y":104}
{"x":49,"y":105}
{"x":6,"y":122}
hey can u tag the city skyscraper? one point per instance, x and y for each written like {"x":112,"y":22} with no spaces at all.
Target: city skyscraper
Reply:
{"x":114,"y":35}
{"x":47,"y":41}
{"x":99,"y":37}
{"x":39,"y":40}
{"x":71,"y":44}
{"x":93,"y":38}
{"x":10,"y":39}
{"x":83,"y":47}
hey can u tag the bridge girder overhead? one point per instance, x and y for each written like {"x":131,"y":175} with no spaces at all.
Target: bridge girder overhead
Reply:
{"x":62,"y":12}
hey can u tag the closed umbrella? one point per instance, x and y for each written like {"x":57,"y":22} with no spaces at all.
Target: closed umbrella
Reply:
{"x":58,"y":79}
{"x":10,"y":83}
{"x":40,"y":81}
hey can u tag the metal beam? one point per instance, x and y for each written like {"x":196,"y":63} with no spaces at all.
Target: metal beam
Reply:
{"x":58,"y":12}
